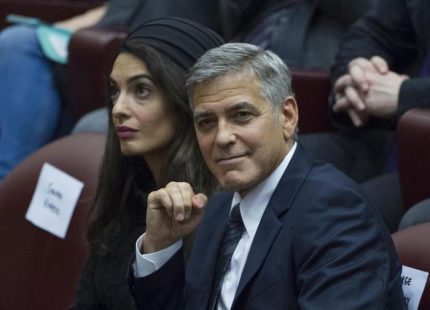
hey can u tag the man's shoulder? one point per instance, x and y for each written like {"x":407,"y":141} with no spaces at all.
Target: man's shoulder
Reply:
{"x":318,"y":183}
{"x":326,"y":193}
{"x":326,"y":179}
{"x":328,"y":173}
{"x":314,"y":172}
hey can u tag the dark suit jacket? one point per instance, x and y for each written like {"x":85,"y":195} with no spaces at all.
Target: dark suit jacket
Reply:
{"x":131,"y":13}
{"x":319,"y":245}
{"x":312,"y":28}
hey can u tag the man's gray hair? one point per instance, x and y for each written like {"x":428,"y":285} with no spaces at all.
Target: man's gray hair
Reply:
{"x":243,"y":58}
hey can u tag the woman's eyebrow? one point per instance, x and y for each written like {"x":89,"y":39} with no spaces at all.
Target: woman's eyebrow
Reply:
{"x":140,"y":76}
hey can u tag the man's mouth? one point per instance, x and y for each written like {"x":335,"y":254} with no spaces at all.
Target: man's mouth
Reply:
{"x":224,"y":160}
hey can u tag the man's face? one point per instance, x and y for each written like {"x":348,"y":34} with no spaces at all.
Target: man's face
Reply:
{"x":237,"y":133}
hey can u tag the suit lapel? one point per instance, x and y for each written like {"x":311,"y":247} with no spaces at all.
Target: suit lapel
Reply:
{"x":266,"y":233}
{"x":270,"y":225}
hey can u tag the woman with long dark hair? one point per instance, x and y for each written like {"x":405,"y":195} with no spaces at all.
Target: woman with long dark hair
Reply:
{"x":150,"y":142}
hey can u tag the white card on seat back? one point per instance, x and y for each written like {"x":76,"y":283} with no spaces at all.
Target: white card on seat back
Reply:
{"x":54,"y":200}
{"x":413,"y":284}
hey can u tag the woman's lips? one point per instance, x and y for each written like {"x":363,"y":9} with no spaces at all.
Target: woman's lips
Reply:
{"x":125,"y":132}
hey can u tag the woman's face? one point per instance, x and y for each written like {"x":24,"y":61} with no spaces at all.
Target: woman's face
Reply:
{"x":141,"y":114}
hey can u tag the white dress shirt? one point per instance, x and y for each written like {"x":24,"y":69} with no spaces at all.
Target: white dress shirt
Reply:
{"x":251,"y":208}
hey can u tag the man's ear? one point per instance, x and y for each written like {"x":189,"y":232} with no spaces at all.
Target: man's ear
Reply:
{"x":289,"y":117}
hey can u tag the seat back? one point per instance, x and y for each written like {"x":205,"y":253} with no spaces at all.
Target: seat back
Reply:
{"x":413,"y":249}
{"x":91,"y":54}
{"x":39,"y":270}
{"x":413,"y":145}
{"x":312,"y":89}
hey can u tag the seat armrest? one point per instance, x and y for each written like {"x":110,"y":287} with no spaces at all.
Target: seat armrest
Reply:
{"x":413,"y":146}
{"x":91,"y":53}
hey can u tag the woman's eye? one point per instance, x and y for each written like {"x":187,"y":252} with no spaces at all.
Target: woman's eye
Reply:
{"x":141,"y":91}
{"x":113,"y":94}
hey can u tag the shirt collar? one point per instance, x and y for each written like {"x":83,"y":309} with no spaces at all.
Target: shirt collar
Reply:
{"x":253,"y":205}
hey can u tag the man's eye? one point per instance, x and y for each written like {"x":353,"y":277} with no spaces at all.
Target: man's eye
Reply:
{"x":204,"y":124}
{"x":243,"y":115}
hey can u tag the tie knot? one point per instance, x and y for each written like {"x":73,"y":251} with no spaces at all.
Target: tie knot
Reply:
{"x":235,"y":215}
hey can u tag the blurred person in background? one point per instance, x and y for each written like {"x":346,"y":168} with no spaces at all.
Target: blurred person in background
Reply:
{"x":382,"y":70}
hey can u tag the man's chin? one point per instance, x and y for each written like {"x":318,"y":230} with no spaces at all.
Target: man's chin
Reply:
{"x":235,"y":185}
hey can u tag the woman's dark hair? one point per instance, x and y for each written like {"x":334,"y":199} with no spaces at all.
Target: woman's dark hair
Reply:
{"x":121,"y":175}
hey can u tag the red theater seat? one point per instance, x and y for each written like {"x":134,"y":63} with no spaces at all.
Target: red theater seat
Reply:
{"x":37,"y":269}
{"x":413,"y":142}
{"x":312,"y":89}
{"x":91,"y":54}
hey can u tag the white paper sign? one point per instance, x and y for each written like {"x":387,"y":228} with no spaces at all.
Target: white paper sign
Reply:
{"x":54,"y":200}
{"x":413,"y":283}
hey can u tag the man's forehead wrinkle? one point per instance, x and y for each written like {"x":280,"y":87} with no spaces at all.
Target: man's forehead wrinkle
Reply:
{"x":208,"y":95}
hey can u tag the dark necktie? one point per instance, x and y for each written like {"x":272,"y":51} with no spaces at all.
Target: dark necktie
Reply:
{"x":231,"y":237}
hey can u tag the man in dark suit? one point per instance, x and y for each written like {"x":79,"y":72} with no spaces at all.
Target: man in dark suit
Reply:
{"x":300,"y":234}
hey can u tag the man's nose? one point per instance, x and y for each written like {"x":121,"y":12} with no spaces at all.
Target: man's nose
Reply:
{"x":225,"y":134}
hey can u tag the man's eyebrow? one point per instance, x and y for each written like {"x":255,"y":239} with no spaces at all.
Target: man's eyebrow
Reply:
{"x":201,"y":114}
{"x":243,"y":105}
{"x":232,"y":108}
